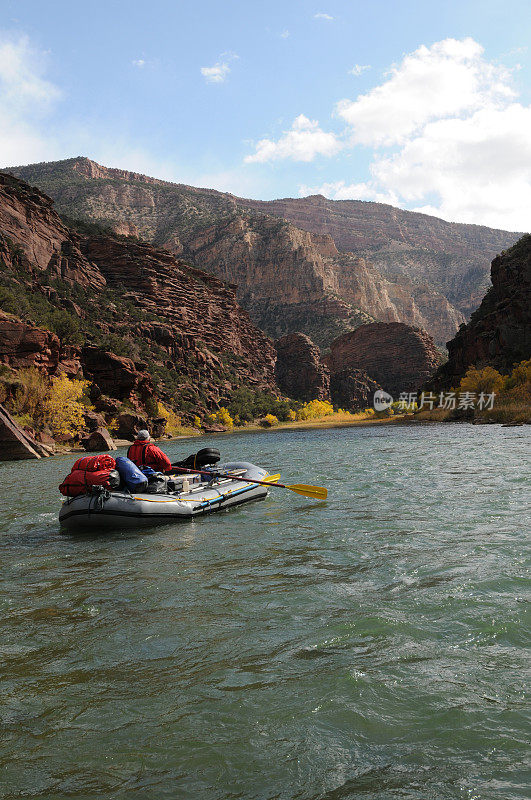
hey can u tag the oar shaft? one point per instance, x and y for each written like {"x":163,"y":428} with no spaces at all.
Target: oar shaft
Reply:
{"x":229,"y":475}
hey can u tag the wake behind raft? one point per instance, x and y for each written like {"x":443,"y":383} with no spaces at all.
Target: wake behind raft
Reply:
{"x":106,"y":493}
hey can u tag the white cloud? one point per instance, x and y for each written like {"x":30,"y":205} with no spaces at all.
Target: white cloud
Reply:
{"x":32,"y":128}
{"x":217,"y":73}
{"x":21,"y":81}
{"x":444,"y":80}
{"x":284,"y":34}
{"x":221,"y":69}
{"x":25,"y":98}
{"x":449,"y":138}
{"x":478,"y":168}
{"x":339,"y":190}
{"x":139,"y":62}
{"x":464,"y":155}
{"x":358,"y":69}
{"x":303,"y":142}
{"x":323,"y":16}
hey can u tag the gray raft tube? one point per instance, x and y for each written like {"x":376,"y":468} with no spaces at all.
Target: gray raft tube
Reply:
{"x":126,"y":510}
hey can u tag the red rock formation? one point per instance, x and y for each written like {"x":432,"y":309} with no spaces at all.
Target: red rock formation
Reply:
{"x":15,"y":443}
{"x":406,"y":247}
{"x":98,"y":440}
{"x":288,"y":278}
{"x":115,"y":375}
{"x":202,"y":321}
{"x":398,"y":357}
{"x":499,"y":332}
{"x":352,"y":389}
{"x":300,"y":373}
{"x":129,"y":425}
{"x":24,"y":345}
{"x":28,"y":222}
{"x":188,"y":323}
{"x":93,"y":420}
{"x":356,"y":225}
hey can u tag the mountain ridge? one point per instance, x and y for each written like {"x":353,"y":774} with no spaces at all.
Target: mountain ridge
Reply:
{"x":99,"y":170}
{"x":311,"y":264}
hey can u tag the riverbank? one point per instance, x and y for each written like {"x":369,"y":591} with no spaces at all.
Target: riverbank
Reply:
{"x":504,"y":414}
{"x":332,"y":421}
{"x":337,"y":420}
{"x":419,"y":417}
{"x":128,"y":442}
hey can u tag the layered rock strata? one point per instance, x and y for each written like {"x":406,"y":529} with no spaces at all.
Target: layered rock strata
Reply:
{"x":115,"y":375}
{"x":448,"y":257}
{"x":299,"y":370}
{"x":24,"y":345}
{"x":30,"y":226}
{"x":193,"y":334}
{"x":352,"y":389}
{"x":400,"y":358}
{"x":15,"y":443}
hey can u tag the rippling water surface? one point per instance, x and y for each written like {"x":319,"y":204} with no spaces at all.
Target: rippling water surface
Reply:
{"x":369,"y":646}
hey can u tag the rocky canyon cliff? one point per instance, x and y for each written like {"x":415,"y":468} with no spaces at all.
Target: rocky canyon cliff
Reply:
{"x":499,"y":332}
{"x":312,"y":265}
{"x":130,"y":317}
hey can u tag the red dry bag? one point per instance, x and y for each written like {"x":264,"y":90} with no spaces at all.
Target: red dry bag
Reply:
{"x":88,"y":472}
{"x":95,"y":463}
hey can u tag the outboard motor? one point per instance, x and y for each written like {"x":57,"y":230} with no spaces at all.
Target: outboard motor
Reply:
{"x":206,"y":457}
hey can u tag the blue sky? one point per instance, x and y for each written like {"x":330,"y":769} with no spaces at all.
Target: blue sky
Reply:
{"x":424,"y":105}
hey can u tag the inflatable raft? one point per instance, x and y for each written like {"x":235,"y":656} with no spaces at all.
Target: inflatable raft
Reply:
{"x":195,"y":495}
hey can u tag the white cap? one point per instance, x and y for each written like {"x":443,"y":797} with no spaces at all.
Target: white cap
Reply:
{"x":142,"y":434}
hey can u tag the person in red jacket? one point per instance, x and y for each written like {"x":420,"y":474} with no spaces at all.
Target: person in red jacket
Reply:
{"x":144,"y":454}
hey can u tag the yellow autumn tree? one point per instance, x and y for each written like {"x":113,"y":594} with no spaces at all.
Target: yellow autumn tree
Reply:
{"x":269,"y":421}
{"x":173,"y":420}
{"x":223,"y":417}
{"x":63,"y":410}
{"x":517,"y":385}
{"x":30,"y":394}
{"x":485,"y":380}
{"x":315,"y":409}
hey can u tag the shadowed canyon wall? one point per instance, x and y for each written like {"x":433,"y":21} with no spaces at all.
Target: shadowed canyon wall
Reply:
{"x":499,"y":331}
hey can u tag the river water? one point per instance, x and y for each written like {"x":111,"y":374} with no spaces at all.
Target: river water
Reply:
{"x":369,"y":646}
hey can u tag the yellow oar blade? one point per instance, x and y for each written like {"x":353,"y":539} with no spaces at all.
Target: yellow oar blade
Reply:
{"x":309,"y":491}
{"x":272,"y":478}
